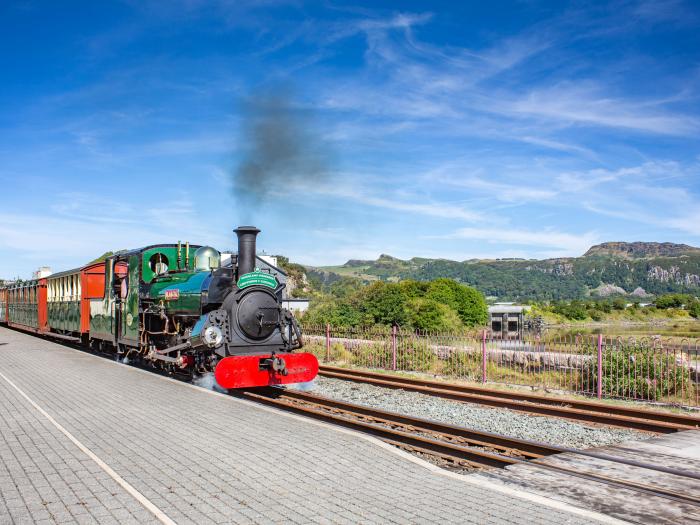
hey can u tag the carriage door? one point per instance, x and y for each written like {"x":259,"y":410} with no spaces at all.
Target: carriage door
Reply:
{"x":129,"y":304}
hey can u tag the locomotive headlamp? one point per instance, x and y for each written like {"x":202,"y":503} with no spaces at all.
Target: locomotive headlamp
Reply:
{"x":213,"y":336}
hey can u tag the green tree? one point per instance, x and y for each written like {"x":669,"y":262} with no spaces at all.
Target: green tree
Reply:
{"x":384,"y":303}
{"x":694,"y":309}
{"x":430,"y":316}
{"x":469,"y":303}
{"x":619,"y":303}
{"x":672,"y":300}
{"x":413,"y":289}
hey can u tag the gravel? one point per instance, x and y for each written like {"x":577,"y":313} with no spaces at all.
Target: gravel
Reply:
{"x":524,"y":426}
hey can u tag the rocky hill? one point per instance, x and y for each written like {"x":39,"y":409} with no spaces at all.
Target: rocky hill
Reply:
{"x":641,"y":250}
{"x":638,"y":269}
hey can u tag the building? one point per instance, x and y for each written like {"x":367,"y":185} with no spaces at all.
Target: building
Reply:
{"x":296,"y":305}
{"x":507,"y":320}
{"x":269,"y":259}
{"x":43,"y":271}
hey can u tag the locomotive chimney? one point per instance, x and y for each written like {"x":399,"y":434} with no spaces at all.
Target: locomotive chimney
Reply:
{"x":246,"y":248}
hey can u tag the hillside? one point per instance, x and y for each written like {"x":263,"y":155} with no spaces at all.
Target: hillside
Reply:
{"x":638,"y":269}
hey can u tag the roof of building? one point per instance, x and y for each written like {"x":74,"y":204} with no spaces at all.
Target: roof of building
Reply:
{"x":508,"y":309}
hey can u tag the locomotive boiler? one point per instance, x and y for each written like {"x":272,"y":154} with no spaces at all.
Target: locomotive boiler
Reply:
{"x":176,"y":308}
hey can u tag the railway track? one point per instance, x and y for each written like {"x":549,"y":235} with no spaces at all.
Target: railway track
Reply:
{"x":589,"y":411}
{"x":456,"y":446}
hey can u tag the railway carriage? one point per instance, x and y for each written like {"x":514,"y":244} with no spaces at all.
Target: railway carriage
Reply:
{"x":175,"y":308}
{"x":3,"y":304}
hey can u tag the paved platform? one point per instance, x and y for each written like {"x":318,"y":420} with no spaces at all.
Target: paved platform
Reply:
{"x":87,"y":440}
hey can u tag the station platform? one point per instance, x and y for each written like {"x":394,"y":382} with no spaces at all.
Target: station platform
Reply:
{"x":87,"y":440}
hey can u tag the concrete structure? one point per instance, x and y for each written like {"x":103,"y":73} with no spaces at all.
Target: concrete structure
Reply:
{"x":42,"y":271}
{"x":507,"y":320}
{"x":84,"y":439}
{"x":269,"y":259}
{"x":296,"y":305}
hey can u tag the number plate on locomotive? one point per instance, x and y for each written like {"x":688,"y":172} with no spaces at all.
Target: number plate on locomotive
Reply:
{"x":172,"y":295}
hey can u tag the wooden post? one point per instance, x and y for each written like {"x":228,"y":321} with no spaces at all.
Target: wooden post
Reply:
{"x":393,"y":347}
{"x":328,"y":342}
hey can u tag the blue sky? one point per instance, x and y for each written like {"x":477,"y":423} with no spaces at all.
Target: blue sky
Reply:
{"x":444,"y":129}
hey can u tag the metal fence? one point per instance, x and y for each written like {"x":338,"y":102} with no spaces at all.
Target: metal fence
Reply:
{"x":664,"y":370}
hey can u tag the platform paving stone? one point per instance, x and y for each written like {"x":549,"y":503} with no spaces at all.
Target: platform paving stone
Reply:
{"x":203,"y":458}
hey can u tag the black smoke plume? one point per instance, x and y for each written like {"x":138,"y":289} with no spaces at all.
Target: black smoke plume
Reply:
{"x":282,"y":152}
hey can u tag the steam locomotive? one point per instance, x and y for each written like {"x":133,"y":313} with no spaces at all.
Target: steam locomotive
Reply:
{"x":186,"y":315}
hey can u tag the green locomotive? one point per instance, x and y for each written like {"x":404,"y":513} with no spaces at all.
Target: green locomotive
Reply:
{"x":177,"y":308}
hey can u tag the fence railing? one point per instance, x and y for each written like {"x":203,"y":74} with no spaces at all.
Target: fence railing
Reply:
{"x":665,"y":370}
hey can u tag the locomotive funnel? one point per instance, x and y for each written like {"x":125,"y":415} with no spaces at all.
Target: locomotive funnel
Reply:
{"x":246,"y":248}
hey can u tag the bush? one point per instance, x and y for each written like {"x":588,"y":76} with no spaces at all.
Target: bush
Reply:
{"x":639,"y":372}
{"x":673,"y":300}
{"x":574,"y":310}
{"x":462,"y":364}
{"x":468,"y":302}
{"x":373,"y":355}
{"x":619,"y":303}
{"x":384,"y":303}
{"x":414,"y":354}
{"x":430,"y":316}
{"x":694,"y":309}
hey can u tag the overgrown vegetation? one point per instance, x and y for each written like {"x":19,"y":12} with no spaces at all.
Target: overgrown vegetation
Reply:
{"x":639,"y":372}
{"x":439,"y":305}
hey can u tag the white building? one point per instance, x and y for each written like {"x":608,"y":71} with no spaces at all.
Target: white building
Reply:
{"x":43,"y":271}
{"x":295,"y":305}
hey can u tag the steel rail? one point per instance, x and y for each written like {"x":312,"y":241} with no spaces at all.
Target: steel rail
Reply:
{"x":445,"y":450}
{"x":522,"y":447}
{"x":665,"y":417}
{"x":594,"y":412}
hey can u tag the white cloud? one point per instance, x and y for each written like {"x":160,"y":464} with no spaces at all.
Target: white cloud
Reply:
{"x":572,"y":104}
{"x":564,"y":243}
{"x":371,"y":197}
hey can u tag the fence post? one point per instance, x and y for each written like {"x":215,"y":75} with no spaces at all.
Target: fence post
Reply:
{"x":393,"y":347}
{"x":328,"y":342}
{"x":600,"y":366}
{"x":483,"y":356}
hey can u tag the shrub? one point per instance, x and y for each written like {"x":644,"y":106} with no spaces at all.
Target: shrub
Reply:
{"x":418,"y":357}
{"x":694,"y":309}
{"x":373,"y":355}
{"x":462,"y":364}
{"x":430,"y":316}
{"x":468,"y":302}
{"x":639,"y":372}
{"x":384,"y":303}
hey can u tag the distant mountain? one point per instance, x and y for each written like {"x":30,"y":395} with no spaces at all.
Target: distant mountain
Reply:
{"x":637,"y":269}
{"x":640,"y":250}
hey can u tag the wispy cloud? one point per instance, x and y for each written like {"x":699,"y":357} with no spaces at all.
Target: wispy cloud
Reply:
{"x":371,"y":197}
{"x":564,"y":243}
{"x":573,"y":105}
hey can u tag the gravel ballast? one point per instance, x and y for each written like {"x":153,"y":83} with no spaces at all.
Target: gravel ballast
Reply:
{"x":524,"y":426}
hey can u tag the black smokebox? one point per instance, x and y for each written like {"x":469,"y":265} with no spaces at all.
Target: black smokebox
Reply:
{"x":246,"y":248}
